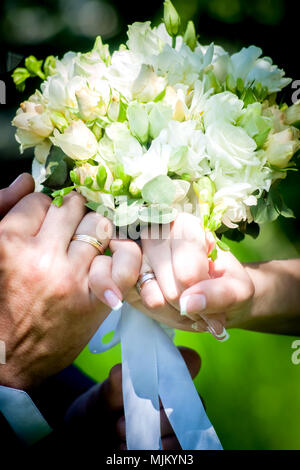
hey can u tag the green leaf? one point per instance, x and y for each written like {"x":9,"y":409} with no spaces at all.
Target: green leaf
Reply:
{"x":270,"y":207}
{"x":56,"y":169}
{"x":160,"y":190}
{"x":252,"y":229}
{"x":126,"y":214}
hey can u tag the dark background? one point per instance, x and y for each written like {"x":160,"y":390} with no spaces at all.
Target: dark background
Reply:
{"x":249,"y":384}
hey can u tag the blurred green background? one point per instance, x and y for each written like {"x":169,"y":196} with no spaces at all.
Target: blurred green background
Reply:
{"x":249,"y":384}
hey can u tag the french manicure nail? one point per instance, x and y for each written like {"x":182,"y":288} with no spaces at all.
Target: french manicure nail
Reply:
{"x":224,"y":336}
{"x":193,"y":303}
{"x":112,"y":299}
{"x":183,"y":306}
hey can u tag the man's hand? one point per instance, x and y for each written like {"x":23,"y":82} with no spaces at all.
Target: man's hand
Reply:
{"x":48,"y":310}
{"x":22,"y":186}
{"x":101,"y":408}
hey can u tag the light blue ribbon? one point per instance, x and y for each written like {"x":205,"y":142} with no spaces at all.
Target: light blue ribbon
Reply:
{"x":22,"y":415}
{"x":152,"y":367}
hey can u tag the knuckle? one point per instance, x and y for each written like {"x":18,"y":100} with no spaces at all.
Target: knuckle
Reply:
{"x":40,"y":198}
{"x":151,"y":303}
{"x":172,"y":296}
{"x":187,"y":278}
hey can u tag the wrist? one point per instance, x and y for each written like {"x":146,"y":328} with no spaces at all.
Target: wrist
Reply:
{"x":275,"y":304}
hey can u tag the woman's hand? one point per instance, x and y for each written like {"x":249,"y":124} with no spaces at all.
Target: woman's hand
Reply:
{"x":228,"y":292}
{"x":181,"y":266}
{"x":51,"y":303}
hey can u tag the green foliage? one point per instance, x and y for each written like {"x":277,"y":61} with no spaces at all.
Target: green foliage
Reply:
{"x":57,"y":168}
{"x":269,"y":207}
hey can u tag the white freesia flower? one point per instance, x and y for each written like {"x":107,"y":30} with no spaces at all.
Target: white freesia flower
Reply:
{"x":39,"y":174}
{"x":119,"y":146}
{"x":147,"y":85}
{"x":147,"y":42}
{"x":124,"y":70}
{"x":78,"y":142}
{"x":153,"y":163}
{"x":183,"y":65}
{"x":176,"y":97}
{"x":185,"y":147}
{"x":27,"y":139}
{"x":236,"y":201}
{"x":251,"y":68}
{"x":268,"y":75}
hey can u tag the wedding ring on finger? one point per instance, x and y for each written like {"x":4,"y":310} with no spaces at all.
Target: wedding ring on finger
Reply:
{"x":143,"y":278}
{"x":91,"y":240}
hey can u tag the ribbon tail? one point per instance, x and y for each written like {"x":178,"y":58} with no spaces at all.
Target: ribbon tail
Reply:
{"x":180,"y":399}
{"x":140,"y":381}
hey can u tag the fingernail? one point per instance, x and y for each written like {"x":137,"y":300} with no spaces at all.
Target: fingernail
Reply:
{"x":112,"y":299}
{"x":17,"y":179}
{"x":224,"y":336}
{"x":193,"y":303}
{"x":183,"y":306}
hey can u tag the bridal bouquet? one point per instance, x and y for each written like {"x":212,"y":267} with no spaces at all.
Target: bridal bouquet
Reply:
{"x":164,"y":124}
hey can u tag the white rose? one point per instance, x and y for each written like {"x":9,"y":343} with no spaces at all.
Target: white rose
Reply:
{"x":222,"y":107}
{"x":86,"y":170}
{"x":230,"y":146}
{"x":77,"y":141}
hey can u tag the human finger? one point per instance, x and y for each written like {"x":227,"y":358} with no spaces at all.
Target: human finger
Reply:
{"x":126,"y":263}
{"x":20,"y":187}
{"x":82,"y":253}
{"x":150,"y":291}
{"x":101,"y":283}
{"x":189,"y":251}
{"x":27,"y":216}
{"x":159,"y":256}
{"x":61,"y":223}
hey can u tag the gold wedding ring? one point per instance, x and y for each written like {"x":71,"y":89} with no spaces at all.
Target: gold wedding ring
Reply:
{"x":91,"y":240}
{"x":143,"y":278}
